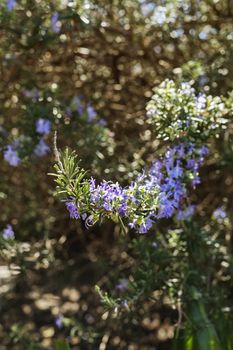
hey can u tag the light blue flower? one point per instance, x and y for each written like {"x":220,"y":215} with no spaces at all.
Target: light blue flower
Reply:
{"x":10,"y":4}
{"x":219,"y":214}
{"x":41,"y":149}
{"x":91,"y":114}
{"x":55,"y":24}
{"x":11,"y":156}
{"x":8,"y":232}
{"x":43,"y":126}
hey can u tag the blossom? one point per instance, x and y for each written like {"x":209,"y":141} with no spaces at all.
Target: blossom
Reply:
{"x":59,"y":321}
{"x":191,"y":164}
{"x":102,"y":122}
{"x":158,"y":193}
{"x":77,"y":104}
{"x":11,"y":156}
{"x":8,"y":232}
{"x":41,"y":148}
{"x":185,"y":214}
{"x":166,"y":209}
{"x":176,"y":171}
{"x":73,"y":210}
{"x":146,"y":226}
{"x":43,"y":126}
{"x":219,"y":214}
{"x":91,"y":114}
{"x":55,"y":24}
{"x":203,"y":151}
{"x":108,"y":196}
{"x":10,"y":4}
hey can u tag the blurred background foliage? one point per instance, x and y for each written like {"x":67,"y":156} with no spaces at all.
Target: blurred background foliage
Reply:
{"x":89,"y":67}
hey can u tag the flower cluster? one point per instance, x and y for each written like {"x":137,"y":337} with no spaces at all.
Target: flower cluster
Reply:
{"x":87,"y":111}
{"x":176,"y":112}
{"x":159,"y":193}
{"x":14,"y":152}
{"x":43,"y":127}
{"x":178,"y":115}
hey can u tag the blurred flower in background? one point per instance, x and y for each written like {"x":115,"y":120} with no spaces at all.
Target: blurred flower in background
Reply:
{"x":10,"y":4}
{"x":43,"y":126}
{"x":220,"y":214}
{"x":55,"y":24}
{"x":41,"y":149}
{"x":59,"y":321}
{"x":8,"y":232}
{"x":11,"y":156}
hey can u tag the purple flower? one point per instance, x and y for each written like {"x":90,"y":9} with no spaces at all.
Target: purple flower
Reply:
{"x":202,"y":80}
{"x":132,"y":224}
{"x":55,"y":23}
{"x":176,"y":171}
{"x":191,"y":164}
{"x":73,"y":210}
{"x":122,"y":210}
{"x":203,"y":151}
{"x":59,"y":321}
{"x":41,"y":148}
{"x":93,"y":186}
{"x":33,"y":94}
{"x":108,"y":196}
{"x":10,"y":4}
{"x":166,"y":211}
{"x":77,"y":104}
{"x":43,"y":126}
{"x":156,"y":168}
{"x":196,"y":181}
{"x":185,"y":214}
{"x":146,"y":226}
{"x":123,"y":284}
{"x":8,"y":232}
{"x":101,"y":122}
{"x":84,"y":216}
{"x":11,"y":156}
{"x":162,"y":191}
{"x":219,"y":214}
{"x":91,"y":114}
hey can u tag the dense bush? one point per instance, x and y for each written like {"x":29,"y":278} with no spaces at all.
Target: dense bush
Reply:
{"x":81,"y":75}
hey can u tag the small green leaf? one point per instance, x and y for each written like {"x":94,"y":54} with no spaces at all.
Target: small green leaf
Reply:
{"x":61,"y":344}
